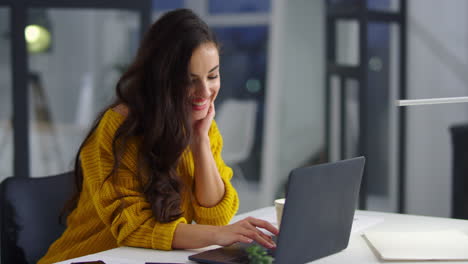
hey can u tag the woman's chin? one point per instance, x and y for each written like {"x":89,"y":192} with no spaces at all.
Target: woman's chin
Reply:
{"x":198,"y":116}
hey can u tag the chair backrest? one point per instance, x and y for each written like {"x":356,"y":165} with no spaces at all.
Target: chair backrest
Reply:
{"x":460,"y":171}
{"x":236,"y":122}
{"x":29,"y":215}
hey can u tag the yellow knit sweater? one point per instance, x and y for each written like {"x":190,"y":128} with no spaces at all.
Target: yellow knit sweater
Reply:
{"x":115,"y":213}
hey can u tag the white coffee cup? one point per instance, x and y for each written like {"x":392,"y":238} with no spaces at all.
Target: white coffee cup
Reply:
{"x":279,"y":205}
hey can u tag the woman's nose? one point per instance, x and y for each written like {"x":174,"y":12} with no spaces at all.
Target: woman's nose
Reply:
{"x":203,"y":89}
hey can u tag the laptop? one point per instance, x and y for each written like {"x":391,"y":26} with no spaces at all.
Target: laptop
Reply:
{"x":317,"y":216}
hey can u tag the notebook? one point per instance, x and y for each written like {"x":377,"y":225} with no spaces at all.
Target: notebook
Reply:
{"x":419,"y":246}
{"x":317,"y":215}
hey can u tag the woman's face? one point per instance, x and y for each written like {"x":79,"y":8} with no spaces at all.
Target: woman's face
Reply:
{"x":205,"y":79}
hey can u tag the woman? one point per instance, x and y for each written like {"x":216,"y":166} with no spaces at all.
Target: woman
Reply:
{"x":152,"y":162}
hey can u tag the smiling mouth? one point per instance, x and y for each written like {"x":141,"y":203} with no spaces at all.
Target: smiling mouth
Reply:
{"x":199,"y":104}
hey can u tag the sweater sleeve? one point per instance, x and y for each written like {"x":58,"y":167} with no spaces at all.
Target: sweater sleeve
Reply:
{"x":222,"y":213}
{"x":118,"y":200}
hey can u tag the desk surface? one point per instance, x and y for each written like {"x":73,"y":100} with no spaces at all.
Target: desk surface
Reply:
{"x":358,"y":250}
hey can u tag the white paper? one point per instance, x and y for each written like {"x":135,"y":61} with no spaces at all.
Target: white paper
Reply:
{"x":430,"y":245}
{"x":363,"y":222}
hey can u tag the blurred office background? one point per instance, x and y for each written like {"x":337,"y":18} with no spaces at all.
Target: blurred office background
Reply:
{"x":285,"y":101}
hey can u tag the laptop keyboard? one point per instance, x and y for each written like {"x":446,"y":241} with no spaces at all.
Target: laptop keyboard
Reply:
{"x":241,"y":259}
{"x":234,"y":254}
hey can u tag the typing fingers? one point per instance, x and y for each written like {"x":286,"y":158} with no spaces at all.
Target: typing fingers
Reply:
{"x":259,"y":237}
{"x":263,"y":224}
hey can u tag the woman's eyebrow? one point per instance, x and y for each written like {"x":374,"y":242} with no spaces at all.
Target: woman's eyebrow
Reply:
{"x":214,"y":68}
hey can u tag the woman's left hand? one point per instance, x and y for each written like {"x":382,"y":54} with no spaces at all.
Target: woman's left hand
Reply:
{"x":201,"y":127}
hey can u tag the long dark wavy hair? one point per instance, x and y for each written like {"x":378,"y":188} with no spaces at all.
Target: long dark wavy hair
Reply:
{"x":155,"y":89}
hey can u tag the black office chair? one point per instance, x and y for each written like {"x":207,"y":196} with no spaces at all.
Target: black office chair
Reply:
{"x":29,"y":215}
{"x":460,"y":171}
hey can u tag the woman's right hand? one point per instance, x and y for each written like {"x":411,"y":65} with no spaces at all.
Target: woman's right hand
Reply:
{"x":246,"y":231}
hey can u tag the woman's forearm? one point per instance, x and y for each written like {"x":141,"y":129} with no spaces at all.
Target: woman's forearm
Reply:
{"x":187,"y":236}
{"x":209,"y":187}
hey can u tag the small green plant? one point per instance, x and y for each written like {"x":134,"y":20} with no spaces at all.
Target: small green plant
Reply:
{"x":258,"y":255}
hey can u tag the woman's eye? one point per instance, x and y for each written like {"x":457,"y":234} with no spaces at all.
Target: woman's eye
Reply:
{"x":212,"y":77}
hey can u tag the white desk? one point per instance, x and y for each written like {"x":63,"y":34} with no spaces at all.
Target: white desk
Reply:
{"x":357,"y":252}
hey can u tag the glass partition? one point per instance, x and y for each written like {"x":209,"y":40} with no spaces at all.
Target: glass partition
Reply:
{"x":348,"y":5}
{"x":351,"y":118}
{"x":240,"y":104}
{"x":334,"y":120}
{"x":384,"y":5}
{"x":238,"y":7}
{"x":347,"y":42}
{"x":382,"y":116}
{"x":6,"y":128}
{"x":166,"y":5}
{"x":75,"y":57}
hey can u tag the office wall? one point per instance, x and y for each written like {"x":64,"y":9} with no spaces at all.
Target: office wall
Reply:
{"x":295,"y":95}
{"x":437,"y":67}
